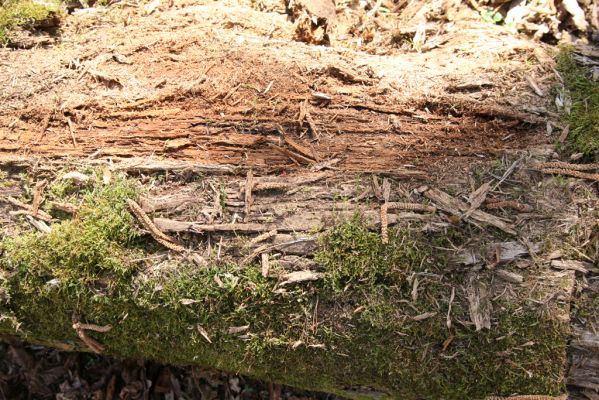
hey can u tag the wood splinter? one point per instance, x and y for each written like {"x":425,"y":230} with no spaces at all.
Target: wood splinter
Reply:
{"x":80,"y":328}
{"x":158,"y":235}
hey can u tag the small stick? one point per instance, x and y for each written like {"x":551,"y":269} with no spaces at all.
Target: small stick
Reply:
{"x":92,"y":327}
{"x":576,"y":174}
{"x":72,"y":131}
{"x":262,"y":237}
{"x":28,"y":210}
{"x":158,"y":235}
{"x":91,"y":343}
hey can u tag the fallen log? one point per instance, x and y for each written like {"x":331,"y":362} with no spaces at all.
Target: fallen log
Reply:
{"x":348,"y":314}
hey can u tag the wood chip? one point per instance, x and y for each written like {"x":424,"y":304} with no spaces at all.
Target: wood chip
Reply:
{"x":574,"y":265}
{"x":72,"y":131}
{"x":176,"y":144}
{"x":203,"y":332}
{"x":509,"y":276}
{"x":233,"y":330}
{"x":534,"y":86}
{"x":76,"y":177}
{"x":265,"y":265}
{"x":479,"y":301}
{"x":38,"y":224}
{"x":300,"y":276}
{"x":169,"y":225}
{"x":424,"y":316}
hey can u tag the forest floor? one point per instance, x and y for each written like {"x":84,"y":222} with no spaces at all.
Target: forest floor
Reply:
{"x":430,"y":96}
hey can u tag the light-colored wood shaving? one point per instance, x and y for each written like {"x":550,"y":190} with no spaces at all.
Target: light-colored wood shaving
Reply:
{"x":568,"y":172}
{"x":158,"y":235}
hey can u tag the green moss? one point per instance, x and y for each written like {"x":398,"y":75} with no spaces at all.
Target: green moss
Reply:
{"x":583,"y":93}
{"x":356,"y":327}
{"x":15,"y":13}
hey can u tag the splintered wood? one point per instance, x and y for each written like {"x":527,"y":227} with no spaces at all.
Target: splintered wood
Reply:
{"x":479,"y":300}
{"x":145,"y":221}
{"x":457,"y":207}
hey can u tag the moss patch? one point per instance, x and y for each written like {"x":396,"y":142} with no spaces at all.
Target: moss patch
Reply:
{"x":16,"y":13}
{"x":583,"y":93}
{"x":364,"y":324}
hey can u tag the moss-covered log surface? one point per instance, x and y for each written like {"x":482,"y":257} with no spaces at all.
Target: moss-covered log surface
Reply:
{"x":448,"y":308}
{"x":374,"y":218}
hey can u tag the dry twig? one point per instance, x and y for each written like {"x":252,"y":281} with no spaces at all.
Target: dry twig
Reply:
{"x":159,"y":236}
{"x":80,"y":328}
{"x":28,"y":210}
